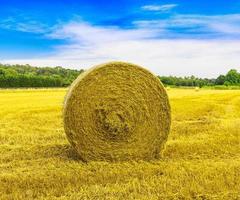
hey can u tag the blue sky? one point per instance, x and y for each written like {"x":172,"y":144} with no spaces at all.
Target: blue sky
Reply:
{"x":168,"y":37}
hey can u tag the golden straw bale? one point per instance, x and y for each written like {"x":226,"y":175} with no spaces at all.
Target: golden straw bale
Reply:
{"x":117,"y":111}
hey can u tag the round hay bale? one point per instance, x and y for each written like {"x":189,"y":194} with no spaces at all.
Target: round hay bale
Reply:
{"x":197,"y":89}
{"x":117,"y":111}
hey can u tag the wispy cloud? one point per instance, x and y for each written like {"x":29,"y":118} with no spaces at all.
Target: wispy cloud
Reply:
{"x":175,"y":26}
{"x":179,"y":45}
{"x":23,"y":25}
{"x":80,"y":31}
{"x":195,"y":26}
{"x":89,"y":45}
{"x":86,"y":34}
{"x":160,"y":8}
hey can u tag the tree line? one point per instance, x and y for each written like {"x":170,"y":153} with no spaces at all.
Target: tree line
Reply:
{"x":232,"y":78}
{"x":29,"y":76}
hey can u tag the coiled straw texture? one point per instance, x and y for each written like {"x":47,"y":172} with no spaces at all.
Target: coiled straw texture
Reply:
{"x":117,"y":111}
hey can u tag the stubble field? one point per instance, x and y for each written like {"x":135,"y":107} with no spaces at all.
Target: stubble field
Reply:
{"x":201,"y":159}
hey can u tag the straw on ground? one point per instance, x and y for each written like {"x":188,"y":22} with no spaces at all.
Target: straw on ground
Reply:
{"x":201,"y":161}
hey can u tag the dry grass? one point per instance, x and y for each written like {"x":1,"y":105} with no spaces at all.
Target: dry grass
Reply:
{"x":201,"y":160}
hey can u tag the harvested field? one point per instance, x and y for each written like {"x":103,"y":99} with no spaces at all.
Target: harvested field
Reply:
{"x":201,"y":159}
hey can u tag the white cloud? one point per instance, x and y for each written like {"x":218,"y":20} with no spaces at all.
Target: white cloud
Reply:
{"x":161,"y":8}
{"x":87,"y":34}
{"x":200,"y":25}
{"x":90,"y":45}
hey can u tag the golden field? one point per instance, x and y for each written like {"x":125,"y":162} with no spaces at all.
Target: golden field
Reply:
{"x":201,"y":159}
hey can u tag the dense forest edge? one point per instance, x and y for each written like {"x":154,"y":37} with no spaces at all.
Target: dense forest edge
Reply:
{"x":16,"y":76}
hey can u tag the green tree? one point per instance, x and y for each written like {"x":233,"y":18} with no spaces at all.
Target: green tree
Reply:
{"x":220,"y":80}
{"x":233,"y":77}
